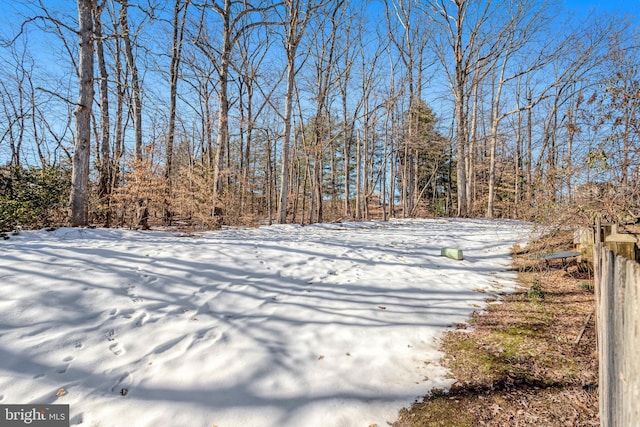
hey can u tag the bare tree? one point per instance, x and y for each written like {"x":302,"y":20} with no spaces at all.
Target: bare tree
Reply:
{"x":14,"y":100}
{"x":252,"y":52}
{"x":322,"y":127}
{"x":463,"y":37}
{"x":521,"y":24}
{"x":232,"y":14}
{"x":179,"y":19}
{"x":574,"y":60}
{"x":136,"y":95}
{"x":103,"y":161}
{"x":200,"y":78}
{"x":323,"y":82}
{"x":612,"y":113}
{"x":81,"y":155}
{"x":409,"y":36}
{"x":297,"y":16}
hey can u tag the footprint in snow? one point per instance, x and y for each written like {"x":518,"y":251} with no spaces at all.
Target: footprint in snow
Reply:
{"x":124,"y":380}
{"x":110,"y":334}
{"x":65,"y":368}
{"x":142,"y":319}
{"x":128,"y":314}
{"x":117,"y":349}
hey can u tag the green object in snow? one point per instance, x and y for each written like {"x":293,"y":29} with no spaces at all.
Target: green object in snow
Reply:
{"x":452,"y":253}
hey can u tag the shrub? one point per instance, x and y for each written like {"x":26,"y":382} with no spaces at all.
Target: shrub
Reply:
{"x":535,"y":293}
{"x":33,"y":197}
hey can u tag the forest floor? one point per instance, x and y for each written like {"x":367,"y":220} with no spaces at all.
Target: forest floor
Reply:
{"x":528,"y":360}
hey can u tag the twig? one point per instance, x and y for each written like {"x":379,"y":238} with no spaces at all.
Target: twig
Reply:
{"x":579,"y":337}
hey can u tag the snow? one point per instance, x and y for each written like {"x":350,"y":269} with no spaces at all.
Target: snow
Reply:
{"x":284,"y":325}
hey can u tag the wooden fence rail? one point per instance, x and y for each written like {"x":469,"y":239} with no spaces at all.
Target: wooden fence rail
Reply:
{"x":617,"y":288}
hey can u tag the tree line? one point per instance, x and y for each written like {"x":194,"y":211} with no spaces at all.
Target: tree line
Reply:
{"x":211,"y":112}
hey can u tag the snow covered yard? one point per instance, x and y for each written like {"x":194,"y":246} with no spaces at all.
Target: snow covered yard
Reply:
{"x":323,"y":325}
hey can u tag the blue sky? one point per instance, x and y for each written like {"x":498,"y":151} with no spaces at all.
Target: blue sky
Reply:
{"x":617,"y":7}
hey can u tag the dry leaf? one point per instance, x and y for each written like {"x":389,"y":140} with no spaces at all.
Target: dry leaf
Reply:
{"x":581,"y":405}
{"x":382,"y":307}
{"x":61,"y":392}
{"x":321,"y":357}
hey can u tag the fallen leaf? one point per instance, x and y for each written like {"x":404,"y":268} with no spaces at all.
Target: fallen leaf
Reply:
{"x":61,"y":392}
{"x":581,"y":405}
{"x":382,"y":307}
{"x":321,"y":357}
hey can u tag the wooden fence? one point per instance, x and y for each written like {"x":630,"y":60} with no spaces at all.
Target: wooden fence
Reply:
{"x":617,"y":288}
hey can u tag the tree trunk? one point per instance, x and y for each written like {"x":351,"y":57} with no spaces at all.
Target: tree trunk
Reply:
{"x":529,"y":157}
{"x":358,"y":178}
{"x":518,"y":164}
{"x":222,"y":139}
{"x":495,"y":122}
{"x":367,"y":169}
{"x":135,"y":82}
{"x":286,"y":139}
{"x":461,"y":178}
{"x":471,"y":154}
{"x":461,"y":123}
{"x":104,"y":164}
{"x":174,"y":68}
{"x":82,"y":153}
{"x":346,"y":154}
{"x":294,"y":25}
{"x":118,"y":136}
{"x":247,"y":127}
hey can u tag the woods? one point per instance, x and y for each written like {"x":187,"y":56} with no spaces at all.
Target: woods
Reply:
{"x":231,"y":112}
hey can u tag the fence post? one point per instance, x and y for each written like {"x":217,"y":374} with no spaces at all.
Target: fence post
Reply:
{"x":617,"y":292}
{"x":630,"y":373}
{"x":618,"y":309}
{"x":597,"y":286}
{"x":606,"y":339}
